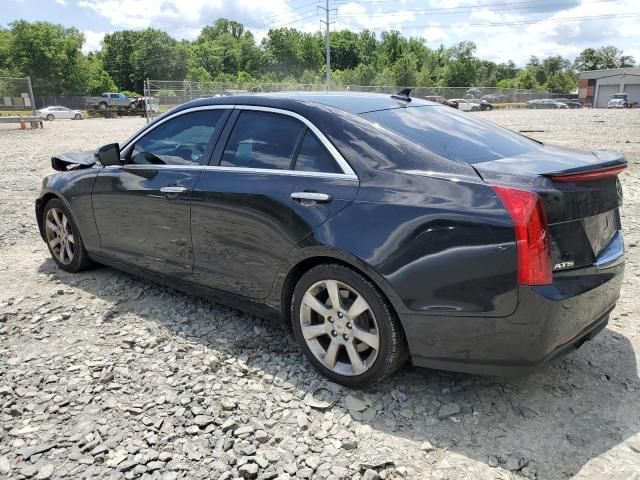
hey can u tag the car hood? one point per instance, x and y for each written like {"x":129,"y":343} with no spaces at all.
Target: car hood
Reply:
{"x":68,"y":161}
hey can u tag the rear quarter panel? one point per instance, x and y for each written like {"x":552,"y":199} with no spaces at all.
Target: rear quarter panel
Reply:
{"x":438,"y":245}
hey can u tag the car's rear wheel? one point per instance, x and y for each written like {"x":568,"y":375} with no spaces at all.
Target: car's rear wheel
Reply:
{"x":63,"y":238}
{"x":50,"y":117}
{"x":102,"y":106}
{"x":345,"y":326}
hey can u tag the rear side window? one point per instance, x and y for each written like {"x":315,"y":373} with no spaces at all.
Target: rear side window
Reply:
{"x":262,"y":140}
{"x":179,"y":141}
{"x":313,"y":157}
{"x":452,"y":134}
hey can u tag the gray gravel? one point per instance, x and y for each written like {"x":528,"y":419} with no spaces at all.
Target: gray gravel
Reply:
{"x":104,"y":375}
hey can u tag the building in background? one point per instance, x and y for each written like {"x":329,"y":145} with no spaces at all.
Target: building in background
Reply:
{"x":596,"y":86}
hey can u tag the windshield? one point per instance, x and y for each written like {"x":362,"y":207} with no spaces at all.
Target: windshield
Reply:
{"x":452,"y":134}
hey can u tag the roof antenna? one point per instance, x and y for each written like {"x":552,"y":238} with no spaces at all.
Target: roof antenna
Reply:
{"x":403,"y":95}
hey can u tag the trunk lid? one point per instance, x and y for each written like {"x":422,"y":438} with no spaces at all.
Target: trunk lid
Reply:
{"x":581,"y":208}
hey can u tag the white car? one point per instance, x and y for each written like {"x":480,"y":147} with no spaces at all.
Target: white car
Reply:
{"x":51,"y":113}
{"x":466,"y":105}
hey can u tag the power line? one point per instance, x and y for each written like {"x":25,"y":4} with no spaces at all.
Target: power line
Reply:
{"x":515,"y":23}
{"x":264,"y":22}
{"x":448,"y":11}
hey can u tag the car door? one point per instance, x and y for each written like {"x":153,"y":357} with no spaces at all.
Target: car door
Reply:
{"x":274,"y":178}
{"x":142,"y":207}
{"x":64,"y":112}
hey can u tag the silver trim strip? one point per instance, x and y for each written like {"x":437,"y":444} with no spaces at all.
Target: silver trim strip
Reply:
{"x":157,"y":123}
{"x":344,"y":165}
{"x":263,"y":171}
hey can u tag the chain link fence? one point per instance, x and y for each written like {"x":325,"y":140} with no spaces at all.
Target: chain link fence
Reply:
{"x":16,"y":95}
{"x":170,"y":93}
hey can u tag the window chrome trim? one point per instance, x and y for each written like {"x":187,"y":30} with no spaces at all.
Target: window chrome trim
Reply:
{"x":342,"y":163}
{"x":264,"y":171}
{"x":156,"y":124}
{"x":348,"y":172}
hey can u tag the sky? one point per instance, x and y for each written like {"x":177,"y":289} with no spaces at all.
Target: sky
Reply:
{"x":502,"y":30}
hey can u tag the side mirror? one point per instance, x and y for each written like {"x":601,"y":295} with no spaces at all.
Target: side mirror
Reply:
{"x":108,"y":154}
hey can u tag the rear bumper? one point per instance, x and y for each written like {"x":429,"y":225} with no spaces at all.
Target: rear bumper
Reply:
{"x":549,"y":321}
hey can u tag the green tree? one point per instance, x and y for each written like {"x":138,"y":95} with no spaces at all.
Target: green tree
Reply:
{"x":602,"y":58}
{"x":404,"y":71}
{"x":50,"y":54}
{"x":526,"y":80}
{"x":562,"y":82}
{"x":117,"y":56}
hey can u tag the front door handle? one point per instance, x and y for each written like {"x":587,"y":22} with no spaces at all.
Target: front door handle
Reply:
{"x":310,"y":198}
{"x":173,"y":189}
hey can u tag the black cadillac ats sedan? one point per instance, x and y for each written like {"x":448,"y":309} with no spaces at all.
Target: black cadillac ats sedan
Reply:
{"x":381,"y":228}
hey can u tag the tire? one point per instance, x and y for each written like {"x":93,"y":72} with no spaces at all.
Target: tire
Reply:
{"x":474,"y":109}
{"x":50,"y":117}
{"x":79,"y":260}
{"x":489,"y":108}
{"x":78,"y":117}
{"x":102,"y":106}
{"x":377,"y":324}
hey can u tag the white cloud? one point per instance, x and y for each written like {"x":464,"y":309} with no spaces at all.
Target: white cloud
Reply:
{"x":549,"y":35}
{"x":92,"y":40}
{"x":62,"y":2}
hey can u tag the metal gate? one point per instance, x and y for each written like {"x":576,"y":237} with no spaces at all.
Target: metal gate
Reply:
{"x":634,"y":92}
{"x":604,"y":93}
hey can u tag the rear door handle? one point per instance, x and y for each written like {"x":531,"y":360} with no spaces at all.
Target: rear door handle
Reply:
{"x":310,"y":198}
{"x":173,"y":189}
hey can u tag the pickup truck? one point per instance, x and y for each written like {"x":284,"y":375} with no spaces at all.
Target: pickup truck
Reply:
{"x":621,"y":100}
{"x":111,"y":100}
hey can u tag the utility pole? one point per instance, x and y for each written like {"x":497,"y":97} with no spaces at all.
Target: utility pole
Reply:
{"x":31,"y":97}
{"x":327,"y":23}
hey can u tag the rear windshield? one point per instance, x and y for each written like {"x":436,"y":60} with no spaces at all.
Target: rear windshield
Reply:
{"x":454,"y":135}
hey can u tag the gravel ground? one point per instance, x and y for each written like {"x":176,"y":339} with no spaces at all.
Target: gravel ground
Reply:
{"x":108,"y":376}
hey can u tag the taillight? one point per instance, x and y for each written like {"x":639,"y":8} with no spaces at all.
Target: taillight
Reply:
{"x":597,"y":174}
{"x":532,"y":235}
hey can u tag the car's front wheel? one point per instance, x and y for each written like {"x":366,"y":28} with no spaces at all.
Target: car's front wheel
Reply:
{"x":50,"y":117}
{"x":78,"y":116}
{"x":345,"y":326}
{"x":63,"y":238}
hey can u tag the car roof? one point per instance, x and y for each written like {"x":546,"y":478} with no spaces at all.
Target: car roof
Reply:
{"x":351,"y":102}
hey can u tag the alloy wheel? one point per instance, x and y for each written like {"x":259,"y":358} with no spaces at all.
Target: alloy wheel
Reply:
{"x":60,"y":236}
{"x":339,"y":327}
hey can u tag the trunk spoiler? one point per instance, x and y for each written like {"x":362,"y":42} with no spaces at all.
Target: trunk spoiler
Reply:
{"x":72,"y":161}
{"x":610,"y":165}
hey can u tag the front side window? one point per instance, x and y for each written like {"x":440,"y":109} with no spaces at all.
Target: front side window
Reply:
{"x":179,"y":141}
{"x":262,"y":140}
{"x":313,"y":157}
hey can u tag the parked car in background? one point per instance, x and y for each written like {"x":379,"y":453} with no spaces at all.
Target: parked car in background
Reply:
{"x":109,"y":99}
{"x":467,"y":105}
{"x":621,"y":100}
{"x":545,"y":103}
{"x":569,"y":103}
{"x":495,"y":98}
{"x":484,"y":104}
{"x":442,"y":100}
{"x":380,"y":228}
{"x":51,"y":113}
